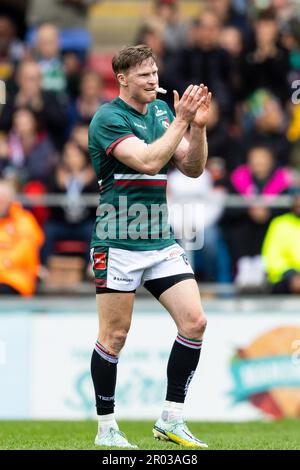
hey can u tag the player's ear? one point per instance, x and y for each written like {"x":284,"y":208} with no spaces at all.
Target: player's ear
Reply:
{"x":122,"y":79}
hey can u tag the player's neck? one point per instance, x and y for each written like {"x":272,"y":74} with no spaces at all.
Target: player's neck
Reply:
{"x":140,"y":107}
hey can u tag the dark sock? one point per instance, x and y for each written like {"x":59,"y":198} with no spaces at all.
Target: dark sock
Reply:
{"x":182,"y":365}
{"x":104,"y":375}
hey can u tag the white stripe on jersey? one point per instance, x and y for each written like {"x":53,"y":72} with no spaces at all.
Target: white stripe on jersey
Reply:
{"x":138,"y":176}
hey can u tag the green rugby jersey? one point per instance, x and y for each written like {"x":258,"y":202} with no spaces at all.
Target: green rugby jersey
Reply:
{"x":132,"y":213}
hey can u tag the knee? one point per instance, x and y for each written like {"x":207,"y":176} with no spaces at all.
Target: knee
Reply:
{"x":114,"y":341}
{"x":195,"y":328}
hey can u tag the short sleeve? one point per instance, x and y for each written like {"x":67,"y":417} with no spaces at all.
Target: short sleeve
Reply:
{"x":111,"y":128}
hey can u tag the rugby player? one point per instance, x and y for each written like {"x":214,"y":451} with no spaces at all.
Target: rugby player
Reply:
{"x":132,"y":142}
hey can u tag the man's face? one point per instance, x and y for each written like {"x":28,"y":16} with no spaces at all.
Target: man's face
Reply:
{"x":266,"y":31}
{"x":208,"y":31}
{"x":30,"y":79}
{"x":142,"y":81}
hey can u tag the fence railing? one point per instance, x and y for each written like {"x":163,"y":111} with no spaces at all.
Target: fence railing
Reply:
{"x":230,"y":201}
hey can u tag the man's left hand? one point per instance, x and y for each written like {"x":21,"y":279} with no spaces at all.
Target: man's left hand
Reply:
{"x":201,"y":117}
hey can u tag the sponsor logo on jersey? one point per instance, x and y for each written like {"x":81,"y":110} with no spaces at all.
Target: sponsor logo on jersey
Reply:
{"x":140,"y":126}
{"x":100,"y":261}
{"x":122,"y":279}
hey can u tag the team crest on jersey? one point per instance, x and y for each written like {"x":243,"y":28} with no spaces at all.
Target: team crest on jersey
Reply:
{"x":159,"y":112}
{"x":99,"y":261}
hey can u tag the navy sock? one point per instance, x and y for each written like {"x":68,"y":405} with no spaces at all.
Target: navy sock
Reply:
{"x":182,"y":365}
{"x":104,"y":375}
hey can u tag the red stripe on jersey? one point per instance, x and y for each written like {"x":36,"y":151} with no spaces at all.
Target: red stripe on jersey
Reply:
{"x":140,"y":183}
{"x":116,"y":142}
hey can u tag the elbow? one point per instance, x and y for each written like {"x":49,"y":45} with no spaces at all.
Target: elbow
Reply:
{"x":195,"y":173}
{"x":151,"y":169}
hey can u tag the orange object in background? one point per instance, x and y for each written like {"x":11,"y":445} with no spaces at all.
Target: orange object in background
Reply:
{"x":20,"y":241}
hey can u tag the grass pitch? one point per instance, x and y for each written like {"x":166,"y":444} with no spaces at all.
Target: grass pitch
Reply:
{"x":69,"y":435}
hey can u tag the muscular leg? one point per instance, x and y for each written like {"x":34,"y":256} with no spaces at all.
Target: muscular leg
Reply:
{"x":182,"y":300}
{"x":115,"y":312}
{"x":183,"y":303}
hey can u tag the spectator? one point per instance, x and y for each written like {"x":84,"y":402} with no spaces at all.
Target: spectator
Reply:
{"x":47,"y":53}
{"x":65,"y":14}
{"x":21,"y":239}
{"x":267,"y":66}
{"x":50,"y":111}
{"x":290,"y":39}
{"x":73,"y":177}
{"x":229,"y":16}
{"x":281,"y":251}
{"x":174,"y":32}
{"x":90,"y":98}
{"x":151,"y":33}
{"x":285,"y":9}
{"x":217,"y":133}
{"x":11,"y":48}
{"x":203,"y":62}
{"x":79,"y":135}
{"x":265,"y":124}
{"x":16,"y":9}
{"x":70,"y":17}
{"x":211,"y":262}
{"x":246,"y":228}
{"x":31,"y":155}
{"x":232,"y":41}
{"x":293,"y":134}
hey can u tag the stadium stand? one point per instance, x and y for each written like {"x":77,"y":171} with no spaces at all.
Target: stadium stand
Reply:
{"x":250,"y":57}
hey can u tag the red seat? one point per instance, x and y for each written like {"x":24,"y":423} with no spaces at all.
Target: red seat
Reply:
{"x":110,"y":92}
{"x":101,"y":63}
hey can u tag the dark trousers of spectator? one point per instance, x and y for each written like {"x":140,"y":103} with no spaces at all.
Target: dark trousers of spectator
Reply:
{"x":213,"y":260}
{"x":8,"y":290}
{"x":245,"y":239}
{"x":59,"y":231}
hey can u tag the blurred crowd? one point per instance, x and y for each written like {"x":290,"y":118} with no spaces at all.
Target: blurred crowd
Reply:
{"x":246,"y":51}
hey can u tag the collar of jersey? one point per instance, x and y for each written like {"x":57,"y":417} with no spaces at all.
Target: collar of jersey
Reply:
{"x":126,"y":106}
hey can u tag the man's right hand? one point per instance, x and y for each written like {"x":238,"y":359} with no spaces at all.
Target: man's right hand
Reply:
{"x":187,"y":106}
